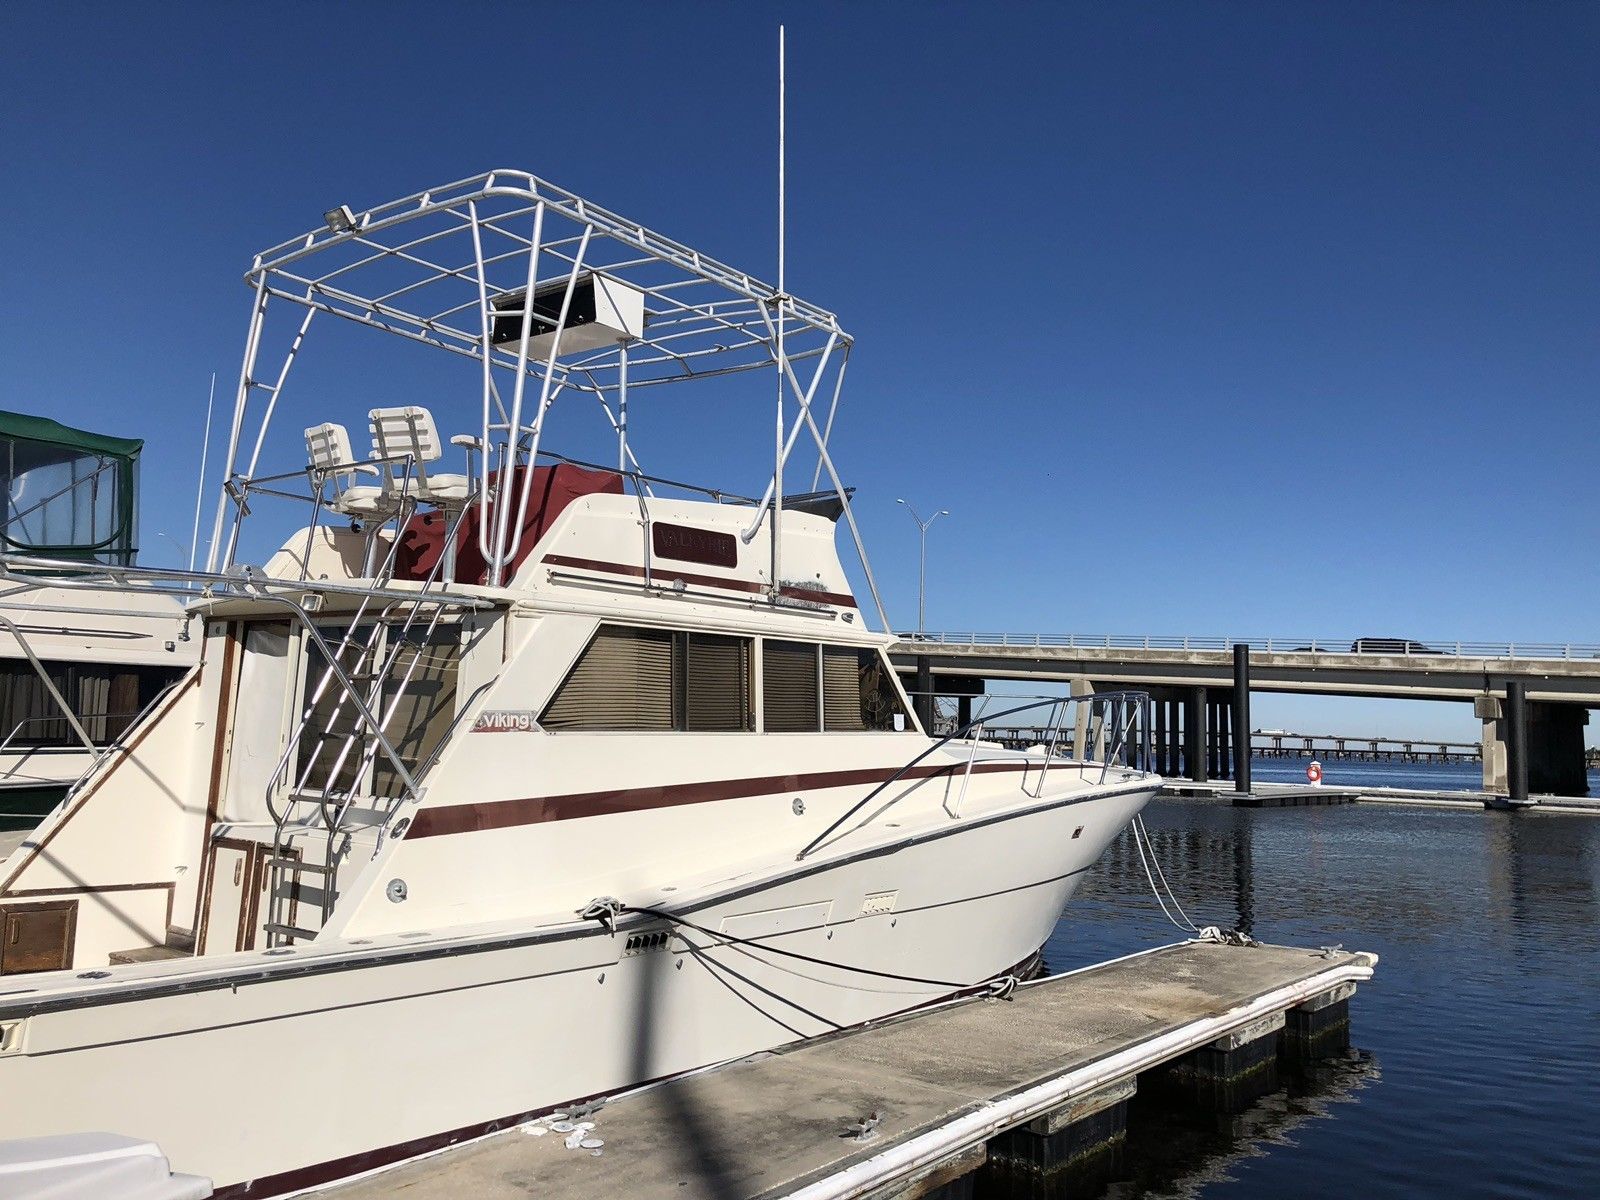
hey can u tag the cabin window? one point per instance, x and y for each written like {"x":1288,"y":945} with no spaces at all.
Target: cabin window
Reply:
{"x":330,"y":749}
{"x":859,"y":693}
{"x":716,"y":684}
{"x":653,"y":680}
{"x":105,"y":698}
{"x":790,"y":696}
{"x":420,"y":698}
{"x":416,"y":702}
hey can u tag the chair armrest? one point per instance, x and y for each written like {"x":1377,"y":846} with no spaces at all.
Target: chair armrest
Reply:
{"x":469,"y":440}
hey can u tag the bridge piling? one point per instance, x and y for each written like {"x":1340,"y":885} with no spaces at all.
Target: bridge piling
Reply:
{"x":1241,"y":719}
{"x":1195,"y":748}
{"x":1516,"y":712}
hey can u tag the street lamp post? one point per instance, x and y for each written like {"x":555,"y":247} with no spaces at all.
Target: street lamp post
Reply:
{"x":922,"y":567}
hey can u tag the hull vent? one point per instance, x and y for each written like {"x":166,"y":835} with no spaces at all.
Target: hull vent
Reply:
{"x":646,"y":943}
{"x":878,"y":902}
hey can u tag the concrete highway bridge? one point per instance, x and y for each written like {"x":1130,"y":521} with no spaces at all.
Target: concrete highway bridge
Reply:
{"x":1533,"y":699}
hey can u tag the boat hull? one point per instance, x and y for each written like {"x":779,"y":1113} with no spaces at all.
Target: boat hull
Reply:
{"x":274,"y":1073}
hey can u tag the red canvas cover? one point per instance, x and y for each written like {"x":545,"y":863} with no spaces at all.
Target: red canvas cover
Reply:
{"x":554,"y":487}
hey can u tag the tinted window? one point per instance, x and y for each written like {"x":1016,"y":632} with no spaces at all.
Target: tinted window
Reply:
{"x":858,"y":692}
{"x":789,"y":698}
{"x":656,"y":680}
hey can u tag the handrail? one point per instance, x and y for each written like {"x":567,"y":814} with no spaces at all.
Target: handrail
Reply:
{"x":5,"y":744}
{"x":49,"y":685}
{"x":1360,"y":647}
{"x":956,"y":734}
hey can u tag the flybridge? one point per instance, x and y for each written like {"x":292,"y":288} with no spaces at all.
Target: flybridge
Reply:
{"x":554,"y":297}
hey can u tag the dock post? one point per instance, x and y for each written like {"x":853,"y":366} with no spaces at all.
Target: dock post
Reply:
{"x":1516,"y":713}
{"x":924,"y":697}
{"x":1241,"y":718}
{"x":1194,"y":731}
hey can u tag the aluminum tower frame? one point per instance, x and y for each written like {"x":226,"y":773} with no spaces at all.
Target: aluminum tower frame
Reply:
{"x":430,"y":267}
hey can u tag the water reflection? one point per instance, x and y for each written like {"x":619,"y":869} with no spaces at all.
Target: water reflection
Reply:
{"x":1484,"y":1011}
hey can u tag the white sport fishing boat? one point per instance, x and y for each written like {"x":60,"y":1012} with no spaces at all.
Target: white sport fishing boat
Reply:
{"x":526,"y":782}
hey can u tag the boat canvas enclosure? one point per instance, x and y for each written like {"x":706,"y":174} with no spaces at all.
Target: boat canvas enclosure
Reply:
{"x":69,"y":494}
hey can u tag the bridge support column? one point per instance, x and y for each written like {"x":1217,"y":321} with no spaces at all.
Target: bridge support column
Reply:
{"x":1194,"y":735}
{"x":1158,"y":735}
{"x":1174,"y":737}
{"x":1241,"y":719}
{"x":1489,"y":711}
{"x":963,"y":711}
{"x":1081,"y":687}
{"x":923,"y":697}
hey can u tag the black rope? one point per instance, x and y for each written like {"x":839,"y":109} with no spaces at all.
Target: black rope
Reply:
{"x":820,"y":962}
{"x":713,"y":968}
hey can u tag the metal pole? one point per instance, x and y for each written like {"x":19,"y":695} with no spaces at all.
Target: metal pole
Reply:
{"x":922,"y":562}
{"x":922,"y":580}
{"x":1241,"y":719}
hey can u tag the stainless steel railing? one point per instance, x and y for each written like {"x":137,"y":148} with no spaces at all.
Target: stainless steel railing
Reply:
{"x":1115,"y":726}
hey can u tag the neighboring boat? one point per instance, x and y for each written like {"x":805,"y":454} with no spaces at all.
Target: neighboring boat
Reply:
{"x":527,"y":782}
{"x":85,"y":667}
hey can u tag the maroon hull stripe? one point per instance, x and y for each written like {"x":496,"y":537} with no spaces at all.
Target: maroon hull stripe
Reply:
{"x":501,"y":814}
{"x":842,"y":599}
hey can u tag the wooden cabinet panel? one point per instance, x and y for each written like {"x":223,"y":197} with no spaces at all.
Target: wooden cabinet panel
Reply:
{"x":37,"y":937}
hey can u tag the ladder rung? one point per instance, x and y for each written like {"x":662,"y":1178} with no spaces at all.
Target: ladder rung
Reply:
{"x":300,"y":865}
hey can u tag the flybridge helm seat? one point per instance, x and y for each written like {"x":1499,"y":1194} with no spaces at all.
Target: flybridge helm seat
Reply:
{"x":405,"y":438}
{"x":328,"y":448}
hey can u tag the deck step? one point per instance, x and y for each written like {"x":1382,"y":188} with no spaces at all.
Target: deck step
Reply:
{"x":144,"y":954}
{"x":290,"y":931}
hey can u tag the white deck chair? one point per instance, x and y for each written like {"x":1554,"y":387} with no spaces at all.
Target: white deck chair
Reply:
{"x":328,"y":448}
{"x":402,"y":434}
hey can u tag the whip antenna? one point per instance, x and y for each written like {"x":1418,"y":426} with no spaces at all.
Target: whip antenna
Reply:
{"x":782,"y":299}
{"x":200,"y":485}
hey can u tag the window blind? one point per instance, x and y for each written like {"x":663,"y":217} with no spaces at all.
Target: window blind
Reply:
{"x":789,"y":687}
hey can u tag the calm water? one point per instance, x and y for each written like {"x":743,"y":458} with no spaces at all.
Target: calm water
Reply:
{"x":1463,"y":777}
{"x":1478,"y":1064}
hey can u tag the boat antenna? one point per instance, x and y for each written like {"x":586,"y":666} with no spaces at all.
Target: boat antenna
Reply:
{"x":777,"y":462}
{"x":200,"y":485}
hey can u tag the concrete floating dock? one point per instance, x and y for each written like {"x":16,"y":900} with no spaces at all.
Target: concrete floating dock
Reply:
{"x":1023,"y":1089}
{"x":1292,"y":797}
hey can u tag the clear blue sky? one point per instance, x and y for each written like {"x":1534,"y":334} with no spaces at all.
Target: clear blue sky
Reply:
{"x":1238,"y":319}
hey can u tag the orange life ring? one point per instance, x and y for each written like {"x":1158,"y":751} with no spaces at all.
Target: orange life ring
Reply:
{"x":1314,"y":771}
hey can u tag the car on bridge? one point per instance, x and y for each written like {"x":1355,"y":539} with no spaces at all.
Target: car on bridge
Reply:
{"x":1390,"y":645}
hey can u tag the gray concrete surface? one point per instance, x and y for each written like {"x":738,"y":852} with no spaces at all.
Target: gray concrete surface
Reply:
{"x":766,"y":1126}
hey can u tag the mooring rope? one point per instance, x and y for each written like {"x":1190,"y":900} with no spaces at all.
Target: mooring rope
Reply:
{"x":1001,"y":986}
{"x":1209,"y":933}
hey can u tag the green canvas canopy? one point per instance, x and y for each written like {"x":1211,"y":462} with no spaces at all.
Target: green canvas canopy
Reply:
{"x":66,"y":493}
{"x":43,"y":429}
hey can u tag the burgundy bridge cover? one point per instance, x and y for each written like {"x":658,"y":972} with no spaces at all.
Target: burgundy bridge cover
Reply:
{"x":554,"y":487}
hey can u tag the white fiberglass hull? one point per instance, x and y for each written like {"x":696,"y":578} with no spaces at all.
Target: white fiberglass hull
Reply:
{"x":294,"y":1069}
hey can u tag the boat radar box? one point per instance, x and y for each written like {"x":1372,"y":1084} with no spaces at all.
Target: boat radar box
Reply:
{"x":602,"y":313}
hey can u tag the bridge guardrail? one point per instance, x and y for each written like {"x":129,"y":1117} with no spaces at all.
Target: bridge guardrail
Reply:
{"x":1406,"y":648}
